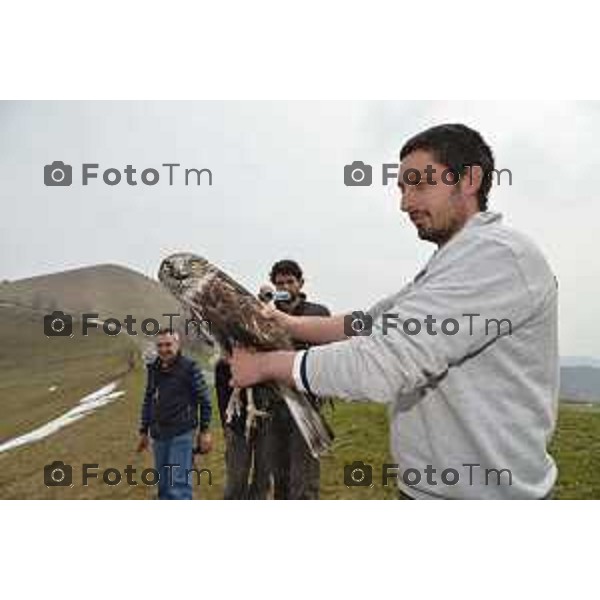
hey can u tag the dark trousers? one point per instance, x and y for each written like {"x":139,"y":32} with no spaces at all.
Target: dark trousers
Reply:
{"x":245,"y":457}
{"x":276,"y":450}
{"x":296,"y":473}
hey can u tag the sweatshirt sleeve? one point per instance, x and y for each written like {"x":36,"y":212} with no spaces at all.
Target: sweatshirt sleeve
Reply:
{"x":472,"y":302}
{"x":201,"y":395}
{"x":146,"y":416}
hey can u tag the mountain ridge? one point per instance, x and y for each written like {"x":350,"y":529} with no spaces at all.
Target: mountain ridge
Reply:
{"x":109,"y":289}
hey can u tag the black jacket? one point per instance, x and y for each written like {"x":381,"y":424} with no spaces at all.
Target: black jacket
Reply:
{"x":173,"y":398}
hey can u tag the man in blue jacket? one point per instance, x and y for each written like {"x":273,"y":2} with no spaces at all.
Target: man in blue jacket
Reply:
{"x":176,"y":410}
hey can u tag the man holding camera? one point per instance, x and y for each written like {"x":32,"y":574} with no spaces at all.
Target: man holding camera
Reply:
{"x":477,"y":398}
{"x":296,"y":473}
{"x":176,"y":413}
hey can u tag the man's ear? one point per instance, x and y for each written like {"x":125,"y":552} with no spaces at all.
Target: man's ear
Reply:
{"x":472,"y":180}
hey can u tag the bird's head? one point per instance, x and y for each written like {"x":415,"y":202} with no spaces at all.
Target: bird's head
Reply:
{"x":183,"y":274}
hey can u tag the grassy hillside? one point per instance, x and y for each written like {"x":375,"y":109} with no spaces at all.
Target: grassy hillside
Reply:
{"x":32,"y":363}
{"x":108,"y":438}
{"x":576,"y":445}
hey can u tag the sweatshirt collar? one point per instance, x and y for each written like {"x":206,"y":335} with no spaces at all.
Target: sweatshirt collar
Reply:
{"x":483,"y":218}
{"x":479,"y":219}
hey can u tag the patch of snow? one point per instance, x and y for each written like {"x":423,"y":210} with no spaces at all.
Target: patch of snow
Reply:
{"x":86,"y":405}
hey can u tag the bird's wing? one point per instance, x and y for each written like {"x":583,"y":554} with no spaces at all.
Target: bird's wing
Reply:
{"x":314,"y":429}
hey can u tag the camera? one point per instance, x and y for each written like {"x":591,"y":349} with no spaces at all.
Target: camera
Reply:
{"x":58,"y":324}
{"x":281,"y":296}
{"x":267,"y":293}
{"x":358,"y":323}
{"x":358,"y":474}
{"x":357,"y":173}
{"x":57,"y":474}
{"x":57,"y":173}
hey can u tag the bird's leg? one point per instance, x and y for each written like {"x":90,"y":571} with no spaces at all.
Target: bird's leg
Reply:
{"x":234,"y":406}
{"x":251,"y":411}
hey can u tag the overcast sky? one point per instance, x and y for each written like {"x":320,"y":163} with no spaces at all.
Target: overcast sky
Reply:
{"x":278,"y":191}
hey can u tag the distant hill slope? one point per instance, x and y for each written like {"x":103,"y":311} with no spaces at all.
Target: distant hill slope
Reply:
{"x":109,"y":290}
{"x":580,"y":384}
{"x":579,"y":361}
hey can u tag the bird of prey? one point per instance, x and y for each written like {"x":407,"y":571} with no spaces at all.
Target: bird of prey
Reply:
{"x":231,"y":316}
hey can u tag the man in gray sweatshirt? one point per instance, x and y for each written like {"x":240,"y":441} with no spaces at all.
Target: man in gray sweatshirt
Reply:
{"x":466,"y":355}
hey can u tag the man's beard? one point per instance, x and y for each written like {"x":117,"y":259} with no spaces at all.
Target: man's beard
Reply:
{"x":437,"y":236}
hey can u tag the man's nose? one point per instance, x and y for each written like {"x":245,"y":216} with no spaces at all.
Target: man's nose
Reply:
{"x":407,"y":199}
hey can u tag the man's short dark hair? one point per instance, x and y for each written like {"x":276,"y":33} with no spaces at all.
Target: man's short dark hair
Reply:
{"x":165,"y":331}
{"x":458,"y":147}
{"x":286,"y":267}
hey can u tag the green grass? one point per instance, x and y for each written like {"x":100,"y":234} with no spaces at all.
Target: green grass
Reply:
{"x":576,"y":446}
{"x":109,"y":435}
{"x":31,"y":363}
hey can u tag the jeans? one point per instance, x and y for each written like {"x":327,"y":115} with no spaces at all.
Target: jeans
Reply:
{"x":174,"y":482}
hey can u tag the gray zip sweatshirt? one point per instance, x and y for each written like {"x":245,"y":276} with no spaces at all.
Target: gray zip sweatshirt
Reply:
{"x":473,"y":396}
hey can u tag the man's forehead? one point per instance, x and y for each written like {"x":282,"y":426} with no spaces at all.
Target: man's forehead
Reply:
{"x":168,"y":336}
{"x":285,"y":277}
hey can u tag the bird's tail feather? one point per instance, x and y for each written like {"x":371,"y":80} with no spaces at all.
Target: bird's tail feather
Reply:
{"x":314,"y":429}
